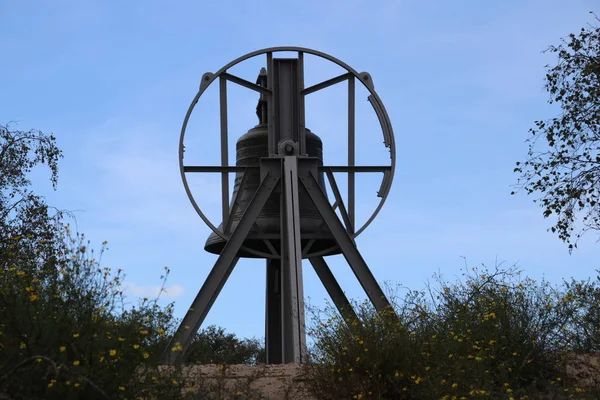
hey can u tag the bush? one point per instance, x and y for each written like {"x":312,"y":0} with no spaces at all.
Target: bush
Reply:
{"x":495,"y":336}
{"x":214,"y":346}
{"x":65,"y":333}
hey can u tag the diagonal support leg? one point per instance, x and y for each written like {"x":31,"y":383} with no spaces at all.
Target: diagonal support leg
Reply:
{"x":351,"y":253}
{"x":333,"y":288}
{"x":219,"y":274}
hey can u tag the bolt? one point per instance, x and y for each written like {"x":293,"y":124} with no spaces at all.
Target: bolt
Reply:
{"x":289,"y":148}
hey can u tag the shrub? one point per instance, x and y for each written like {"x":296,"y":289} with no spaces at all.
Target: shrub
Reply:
{"x":65,"y":333}
{"x":495,"y":336}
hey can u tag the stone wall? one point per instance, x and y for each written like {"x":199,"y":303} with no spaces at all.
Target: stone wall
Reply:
{"x":287,"y":381}
{"x":273,"y":382}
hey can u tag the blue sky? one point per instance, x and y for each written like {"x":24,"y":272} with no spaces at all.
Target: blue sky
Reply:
{"x":462,"y":82}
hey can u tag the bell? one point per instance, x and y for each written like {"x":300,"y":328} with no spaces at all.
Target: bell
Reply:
{"x":265,"y":233}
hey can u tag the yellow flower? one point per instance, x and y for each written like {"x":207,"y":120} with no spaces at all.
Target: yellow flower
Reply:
{"x":427,"y":368}
{"x":143,"y":331}
{"x":455,"y":385}
{"x":492,"y":341}
{"x":77,"y":384}
{"x":136,"y":346}
{"x":514,"y":353}
{"x":76,"y":335}
{"x":76,"y":362}
{"x":22,"y":345}
{"x":121,"y":339}
{"x":62,"y":348}
{"x":357,"y":359}
{"x":121,"y":388}
{"x":33,"y":297}
{"x":112,"y":352}
{"x":146,"y":355}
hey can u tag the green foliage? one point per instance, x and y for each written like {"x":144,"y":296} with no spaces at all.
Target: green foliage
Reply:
{"x":64,"y":330}
{"x":214,"y":346}
{"x":495,"y":336}
{"x":565,"y":168}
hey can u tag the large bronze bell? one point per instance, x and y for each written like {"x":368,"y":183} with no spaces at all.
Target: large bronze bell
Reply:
{"x":249,"y":149}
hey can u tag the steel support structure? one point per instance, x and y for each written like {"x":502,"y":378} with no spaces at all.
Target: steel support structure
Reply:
{"x":289,"y":169}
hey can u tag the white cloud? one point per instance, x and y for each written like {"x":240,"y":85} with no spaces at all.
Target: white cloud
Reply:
{"x":152,"y":291}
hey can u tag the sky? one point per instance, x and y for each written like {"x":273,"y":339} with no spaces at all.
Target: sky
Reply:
{"x":462,"y":82}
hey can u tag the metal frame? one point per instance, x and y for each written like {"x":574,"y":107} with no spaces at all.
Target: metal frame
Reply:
{"x":290,"y":168}
{"x":351,"y":76}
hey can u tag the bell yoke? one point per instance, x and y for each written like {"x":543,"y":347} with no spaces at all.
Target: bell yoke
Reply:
{"x":279,"y":208}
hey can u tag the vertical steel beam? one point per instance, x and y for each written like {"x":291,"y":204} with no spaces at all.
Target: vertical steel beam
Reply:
{"x":349,"y":250}
{"x":220,"y":272}
{"x":273,"y":313}
{"x":224,"y":149}
{"x":294,"y":336}
{"x":286,"y":99}
{"x":301,"y":106}
{"x":272,"y":143}
{"x":334,"y":290}
{"x":351,"y":153}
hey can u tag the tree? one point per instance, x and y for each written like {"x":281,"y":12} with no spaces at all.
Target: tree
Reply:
{"x":213,"y":346}
{"x":64,"y":333}
{"x":563,"y":164}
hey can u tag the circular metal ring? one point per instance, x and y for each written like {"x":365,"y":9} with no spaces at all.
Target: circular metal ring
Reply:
{"x":363,"y":77}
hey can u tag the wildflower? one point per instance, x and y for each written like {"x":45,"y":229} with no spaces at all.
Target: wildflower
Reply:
{"x":62,"y":349}
{"x":357,"y":359}
{"x":136,"y":346}
{"x":77,"y":384}
{"x":121,"y":339}
{"x":22,"y":345}
{"x":146,"y":355}
{"x":76,"y":362}
{"x":76,"y":335}
{"x":454,"y":385}
{"x":112,"y":352}
{"x":121,"y":388}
